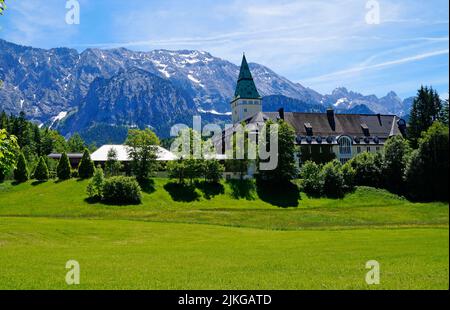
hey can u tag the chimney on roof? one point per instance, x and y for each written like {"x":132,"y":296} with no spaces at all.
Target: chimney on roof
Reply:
{"x":281,"y":113}
{"x":379,"y":119}
{"x":331,"y":119}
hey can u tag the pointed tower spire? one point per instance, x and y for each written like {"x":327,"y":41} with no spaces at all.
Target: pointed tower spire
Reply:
{"x":246,"y":102}
{"x":246,"y":87}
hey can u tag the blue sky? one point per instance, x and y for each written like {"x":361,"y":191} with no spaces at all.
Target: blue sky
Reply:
{"x":321,"y":44}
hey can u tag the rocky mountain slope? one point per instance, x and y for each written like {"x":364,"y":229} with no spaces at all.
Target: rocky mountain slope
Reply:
{"x":123,"y":87}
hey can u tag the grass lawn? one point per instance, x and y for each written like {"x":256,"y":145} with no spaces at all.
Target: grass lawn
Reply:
{"x":214,"y":240}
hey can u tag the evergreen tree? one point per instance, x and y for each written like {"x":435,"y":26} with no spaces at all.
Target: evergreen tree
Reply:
{"x":426,"y":109}
{"x":21,"y":171}
{"x":76,"y":144}
{"x":86,"y":168}
{"x":8,"y":153}
{"x":63,"y":169}
{"x":4,"y":121}
{"x":37,"y":141}
{"x":41,"y":172}
{"x":443,"y":116}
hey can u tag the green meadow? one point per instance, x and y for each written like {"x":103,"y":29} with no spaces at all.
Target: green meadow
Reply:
{"x":226,"y":237}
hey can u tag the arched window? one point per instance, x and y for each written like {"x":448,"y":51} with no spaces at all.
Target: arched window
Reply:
{"x":345,"y":146}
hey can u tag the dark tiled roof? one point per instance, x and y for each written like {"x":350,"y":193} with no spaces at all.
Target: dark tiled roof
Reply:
{"x":381,"y":126}
{"x":69,"y":155}
{"x":246,"y":88}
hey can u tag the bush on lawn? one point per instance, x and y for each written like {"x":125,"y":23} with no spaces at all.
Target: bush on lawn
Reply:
{"x":396,"y":156}
{"x":95,"y":186}
{"x":333,"y":180}
{"x":21,"y":171}
{"x":41,"y":173}
{"x":63,"y":169}
{"x":213,"y":171}
{"x":368,"y":169}
{"x":349,"y":176}
{"x":312,"y":179}
{"x":74,"y":174}
{"x":121,"y":190}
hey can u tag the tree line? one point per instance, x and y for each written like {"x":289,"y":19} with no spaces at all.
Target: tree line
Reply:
{"x":34,"y":142}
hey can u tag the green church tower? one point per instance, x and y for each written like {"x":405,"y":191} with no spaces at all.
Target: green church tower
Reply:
{"x":247,"y":101}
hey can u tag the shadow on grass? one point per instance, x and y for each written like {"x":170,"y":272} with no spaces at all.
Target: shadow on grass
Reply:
{"x":36,"y":183}
{"x":148,"y":186}
{"x":117,"y":203}
{"x":283,"y":195}
{"x":242,"y":189}
{"x":182,"y":192}
{"x":209,"y":189}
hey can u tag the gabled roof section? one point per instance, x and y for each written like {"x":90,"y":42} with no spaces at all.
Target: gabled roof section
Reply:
{"x":246,"y":88}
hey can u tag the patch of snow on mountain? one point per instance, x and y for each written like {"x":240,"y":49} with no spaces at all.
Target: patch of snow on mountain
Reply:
{"x":58,"y":117}
{"x":340,"y":102}
{"x":162,"y":68}
{"x":213,"y":112}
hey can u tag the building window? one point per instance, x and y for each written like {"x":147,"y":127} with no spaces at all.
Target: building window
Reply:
{"x":345,"y":146}
{"x":344,"y":160}
{"x":358,"y":149}
{"x":245,"y":110}
{"x":369,"y":149}
{"x":378,"y":148}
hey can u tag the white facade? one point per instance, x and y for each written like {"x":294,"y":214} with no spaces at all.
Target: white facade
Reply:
{"x":101,"y":155}
{"x":245,"y":108}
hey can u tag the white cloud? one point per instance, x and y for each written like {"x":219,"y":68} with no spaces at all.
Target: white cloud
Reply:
{"x":359,"y":69}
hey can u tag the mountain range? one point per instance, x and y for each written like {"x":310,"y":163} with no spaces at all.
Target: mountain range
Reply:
{"x":75,"y":92}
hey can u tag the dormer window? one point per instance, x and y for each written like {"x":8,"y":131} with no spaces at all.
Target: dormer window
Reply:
{"x":309,"y":129}
{"x":365,"y":129}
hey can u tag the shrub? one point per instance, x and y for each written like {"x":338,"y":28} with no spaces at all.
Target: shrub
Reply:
{"x":333,"y":180}
{"x":349,"y":176}
{"x":95,"y":186}
{"x":41,"y":172}
{"x":396,"y":154}
{"x":63,"y":169}
{"x":213,"y":171}
{"x":176,"y":170}
{"x":194,"y":168}
{"x":21,"y":171}
{"x":312,"y":179}
{"x":121,"y":190}
{"x":86,"y":168}
{"x":112,"y":166}
{"x":74,"y":174}
{"x":368,"y":169}
{"x":427,"y":169}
